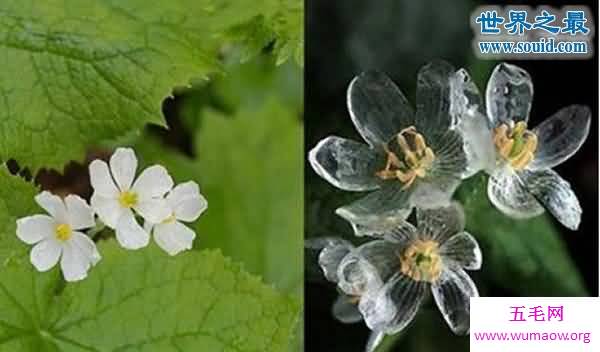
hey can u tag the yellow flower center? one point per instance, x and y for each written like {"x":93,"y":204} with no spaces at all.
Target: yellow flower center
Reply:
{"x":421,"y":261}
{"x":417,"y":157}
{"x":63,"y":232}
{"x":128,"y":199}
{"x":517,"y":145}
{"x":171,"y":219}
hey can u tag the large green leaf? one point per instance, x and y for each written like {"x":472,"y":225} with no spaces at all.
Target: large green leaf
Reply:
{"x":526,"y":257}
{"x":16,"y":201}
{"x":249,"y":167}
{"x":75,"y":72}
{"x":144,"y":301}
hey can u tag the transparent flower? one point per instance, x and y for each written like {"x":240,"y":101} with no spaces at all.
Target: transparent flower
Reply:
{"x":410,"y":159}
{"x":59,"y":236}
{"x":355,"y":282}
{"x":412,"y":260}
{"x":519,"y":160}
{"x":116,"y":196}
{"x":186,"y":205}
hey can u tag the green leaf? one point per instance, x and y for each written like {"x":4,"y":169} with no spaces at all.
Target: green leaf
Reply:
{"x":16,"y":201}
{"x":76,"y":72}
{"x":249,"y":168}
{"x":527,"y":257}
{"x":144,"y":301}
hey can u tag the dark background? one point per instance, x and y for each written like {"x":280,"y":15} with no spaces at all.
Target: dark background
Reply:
{"x":346,"y":37}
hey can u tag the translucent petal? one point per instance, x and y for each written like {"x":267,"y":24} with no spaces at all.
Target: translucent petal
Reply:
{"x":33,"y":229}
{"x":186,"y":201}
{"x":45,"y":254}
{"x":101,"y":179}
{"x":508,"y":193}
{"x":153,"y":182}
{"x":433,"y":98}
{"x":560,"y":136}
{"x":477,"y":144}
{"x":463,"y":250}
{"x":452,"y":293}
{"x":387,"y":206}
{"x":108,"y":209}
{"x":381,"y":255}
{"x":87,"y":247}
{"x":129,"y":233}
{"x":465,"y":99}
{"x":333,"y":250}
{"x":356,"y":276}
{"x":153,"y":210}
{"x":53,"y":204}
{"x":399,"y":233}
{"x":123,"y":164}
{"x":79,"y":213}
{"x":378,"y":108}
{"x":345,"y":309}
{"x":440,"y":224}
{"x":394,"y":306}
{"x":555,"y":194}
{"x":347,"y":164}
{"x":375,"y":338}
{"x":508,"y":95}
{"x":174,"y":237}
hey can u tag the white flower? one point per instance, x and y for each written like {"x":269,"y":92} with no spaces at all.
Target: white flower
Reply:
{"x":57,"y":236}
{"x":116,"y":196}
{"x":519,"y":160}
{"x":186,"y":204}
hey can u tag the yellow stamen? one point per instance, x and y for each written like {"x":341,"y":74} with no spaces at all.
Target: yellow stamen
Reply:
{"x":417,"y":158}
{"x":63,"y":232}
{"x":517,"y":146}
{"x":421,"y":261}
{"x":128,"y":199}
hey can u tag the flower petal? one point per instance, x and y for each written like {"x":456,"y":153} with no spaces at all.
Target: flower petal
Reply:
{"x":433,"y":98}
{"x":508,"y":95}
{"x":463,"y":250}
{"x":375,"y":338}
{"x":101,"y":179}
{"x":174,"y":237}
{"x":560,"y":136}
{"x":399,"y":233}
{"x":129,"y":233}
{"x":154,"y":182}
{"x":153,"y":210}
{"x":75,"y":262}
{"x":378,"y":108}
{"x":86,"y":246}
{"x":355,"y":276}
{"x":508,"y":194}
{"x":347,"y":164}
{"x":555,"y":194}
{"x":465,"y":100}
{"x":45,"y":254}
{"x":441,"y":223}
{"x":332,"y":251}
{"x":388,"y":206}
{"x":33,"y":229}
{"x":452,"y":293}
{"x":80,"y":214}
{"x":53,"y":204}
{"x":108,"y":209}
{"x":380,"y":255}
{"x":186,"y":201}
{"x":345,"y":310}
{"x":394,"y":306}
{"x":123,"y":164}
